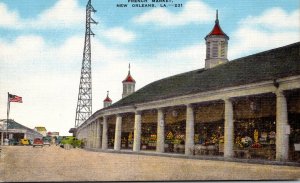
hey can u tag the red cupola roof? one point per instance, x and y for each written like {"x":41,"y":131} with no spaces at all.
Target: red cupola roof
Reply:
{"x":107,"y":99}
{"x":217,"y":29}
{"x":129,"y":78}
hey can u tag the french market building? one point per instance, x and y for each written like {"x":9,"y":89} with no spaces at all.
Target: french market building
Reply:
{"x":245,"y":108}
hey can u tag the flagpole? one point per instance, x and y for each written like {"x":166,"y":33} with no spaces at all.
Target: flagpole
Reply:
{"x":8,"y":110}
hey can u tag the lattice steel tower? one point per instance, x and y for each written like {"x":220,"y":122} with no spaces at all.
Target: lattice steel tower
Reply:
{"x":84,"y":103}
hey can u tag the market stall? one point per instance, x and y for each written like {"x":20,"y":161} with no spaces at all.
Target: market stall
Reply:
{"x":175,"y":137}
{"x":255,"y":138}
{"x":148,"y":137}
{"x":209,"y":138}
{"x":111,"y":136}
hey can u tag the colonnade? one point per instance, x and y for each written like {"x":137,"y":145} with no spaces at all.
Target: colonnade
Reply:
{"x":95,"y":131}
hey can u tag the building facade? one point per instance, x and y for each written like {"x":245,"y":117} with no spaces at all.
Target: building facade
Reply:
{"x":245,"y":108}
{"x":17,"y":131}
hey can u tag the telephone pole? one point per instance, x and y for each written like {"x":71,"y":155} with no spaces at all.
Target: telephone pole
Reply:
{"x":84,"y":103}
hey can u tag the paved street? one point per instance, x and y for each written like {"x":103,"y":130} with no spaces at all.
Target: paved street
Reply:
{"x":20,"y":163}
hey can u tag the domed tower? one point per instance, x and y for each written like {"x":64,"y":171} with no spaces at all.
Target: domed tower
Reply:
{"x":128,"y":84}
{"x":107,"y":101}
{"x":216,"y":46}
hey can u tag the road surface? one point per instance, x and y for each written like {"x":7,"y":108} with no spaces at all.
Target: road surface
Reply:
{"x":25,"y":163}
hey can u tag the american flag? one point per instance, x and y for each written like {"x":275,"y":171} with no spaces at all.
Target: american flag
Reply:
{"x":14,"y":98}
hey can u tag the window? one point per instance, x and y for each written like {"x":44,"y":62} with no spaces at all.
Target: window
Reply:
{"x":214,"y":49}
{"x":124,"y":88}
{"x":223,"y":49}
{"x":208,"y":50}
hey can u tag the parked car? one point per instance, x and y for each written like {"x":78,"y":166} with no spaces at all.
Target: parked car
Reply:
{"x":30,"y":141}
{"x":13,"y":142}
{"x":46,"y":142}
{"x":24,"y":142}
{"x":38,"y":142}
{"x":72,"y":141}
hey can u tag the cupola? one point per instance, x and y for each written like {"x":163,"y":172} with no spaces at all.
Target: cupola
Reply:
{"x":128,"y":84}
{"x":107,"y":101}
{"x":216,"y":46}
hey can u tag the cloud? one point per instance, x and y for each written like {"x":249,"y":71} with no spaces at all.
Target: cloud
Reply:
{"x":119,"y":34}
{"x":64,"y":14}
{"x":274,"y":18}
{"x":273,"y":28}
{"x":193,"y":12}
{"x":9,"y":19}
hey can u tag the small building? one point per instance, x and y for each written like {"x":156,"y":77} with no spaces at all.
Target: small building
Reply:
{"x":42,"y":130}
{"x":53,"y":134}
{"x":17,"y":131}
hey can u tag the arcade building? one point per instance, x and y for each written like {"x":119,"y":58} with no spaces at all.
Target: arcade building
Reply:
{"x":245,"y":108}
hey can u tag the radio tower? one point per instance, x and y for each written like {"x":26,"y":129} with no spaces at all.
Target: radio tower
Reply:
{"x":84,"y":103}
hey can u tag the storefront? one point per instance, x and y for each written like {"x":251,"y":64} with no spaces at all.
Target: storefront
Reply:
{"x":293,"y":99}
{"x":127,"y":131}
{"x":149,"y":130}
{"x":175,"y":123}
{"x":148,"y":139}
{"x":255,"y":138}
{"x":209,"y":129}
{"x":111,"y":136}
{"x":209,"y":138}
{"x":255,"y":127}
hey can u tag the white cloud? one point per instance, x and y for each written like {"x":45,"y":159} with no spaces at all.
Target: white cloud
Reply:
{"x":8,"y":18}
{"x":193,"y":12}
{"x":64,"y":14}
{"x":273,"y":28}
{"x":275,"y":18}
{"x":119,"y":34}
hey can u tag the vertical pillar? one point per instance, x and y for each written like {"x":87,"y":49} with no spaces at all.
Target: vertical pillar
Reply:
{"x":137,"y":131}
{"x":282,"y":136}
{"x":117,"y":144}
{"x":189,"y":130}
{"x":228,"y":129}
{"x":89,"y":136}
{"x":160,"y":146}
{"x":99,"y":134}
{"x":2,"y":138}
{"x":94,"y":133}
{"x":104,"y":133}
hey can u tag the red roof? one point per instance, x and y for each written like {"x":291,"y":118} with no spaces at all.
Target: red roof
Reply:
{"x":217,"y":31}
{"x":107,"y":99}
{"x":129,"y":78}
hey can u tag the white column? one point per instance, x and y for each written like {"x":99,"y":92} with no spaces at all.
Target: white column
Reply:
{"x":89,"y":136}
{"x":160,"y":146}
{"x":1,"y":137}
{"x":282,"y":136}
{"x":189,"y":129}
{"x":94,"y":133}
{"x":117,"y":144}
{"x":99,"y":134}
{"x":104,"y":133}
{"x":137,"y":131}
{"x":228,"y":129}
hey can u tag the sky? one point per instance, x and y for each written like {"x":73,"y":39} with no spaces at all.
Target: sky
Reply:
{"x":41,"y":46}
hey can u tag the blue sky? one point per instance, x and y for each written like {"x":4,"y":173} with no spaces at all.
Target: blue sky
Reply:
{"x":41,"y":45}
